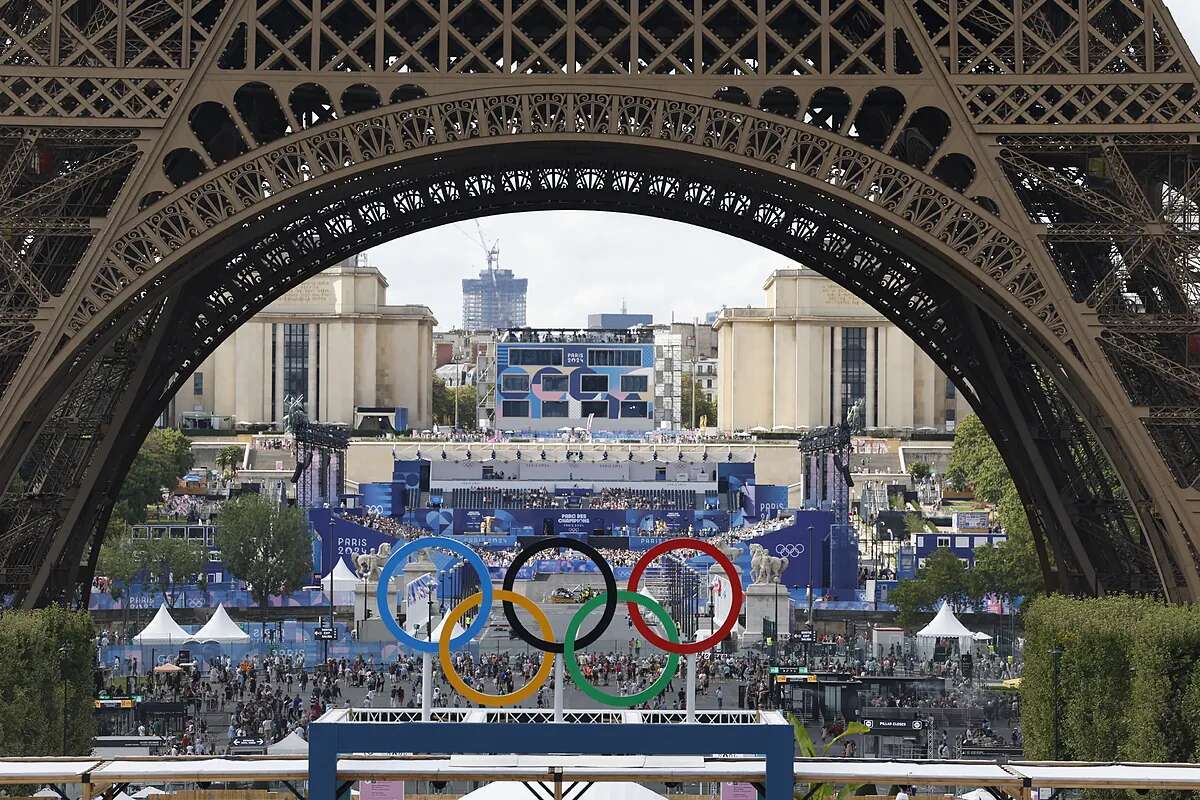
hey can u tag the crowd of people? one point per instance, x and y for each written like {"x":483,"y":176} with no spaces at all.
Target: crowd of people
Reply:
{"x":616,"y":498}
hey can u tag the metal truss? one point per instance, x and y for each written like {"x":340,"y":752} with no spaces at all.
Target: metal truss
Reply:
{"x":1015,"y":184}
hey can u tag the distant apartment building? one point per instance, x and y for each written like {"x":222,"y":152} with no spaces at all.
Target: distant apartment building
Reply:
{"x":495,"y":300}
{"x":623,"y":319}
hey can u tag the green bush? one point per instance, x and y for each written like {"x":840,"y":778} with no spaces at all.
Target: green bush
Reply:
{"x":31,"y":691}
{"x":1128,"y":685}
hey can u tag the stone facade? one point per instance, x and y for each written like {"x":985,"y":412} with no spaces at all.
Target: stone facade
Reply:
{"x":333,"y":339}
{"x":812,"y":351}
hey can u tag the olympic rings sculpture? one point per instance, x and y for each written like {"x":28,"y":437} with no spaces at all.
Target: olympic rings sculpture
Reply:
{"x":572,"y":642}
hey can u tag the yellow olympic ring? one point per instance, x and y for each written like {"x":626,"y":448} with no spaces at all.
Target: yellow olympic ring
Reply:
{"x":495,"y":700}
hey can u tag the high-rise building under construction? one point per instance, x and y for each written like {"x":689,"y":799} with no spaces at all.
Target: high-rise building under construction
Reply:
{"x":496,"y":299}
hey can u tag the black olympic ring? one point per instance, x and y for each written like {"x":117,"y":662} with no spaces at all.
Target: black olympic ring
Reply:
{"x":610,"y":592}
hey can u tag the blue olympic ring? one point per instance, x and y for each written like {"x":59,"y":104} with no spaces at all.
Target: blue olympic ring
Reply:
{"x":399,"y":558}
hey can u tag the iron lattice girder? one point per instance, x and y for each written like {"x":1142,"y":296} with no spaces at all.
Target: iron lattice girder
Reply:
{"x":173,"y":84}
{"x":1162,"y":365}
{"x":910,"y":301}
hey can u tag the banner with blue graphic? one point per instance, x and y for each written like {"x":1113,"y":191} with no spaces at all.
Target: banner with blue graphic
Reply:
{"x":383,"y":499}
{"x":764,"y":500}
{"x":800,"y":543}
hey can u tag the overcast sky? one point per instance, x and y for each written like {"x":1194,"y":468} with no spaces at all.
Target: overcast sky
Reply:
{"x":581,"y":262}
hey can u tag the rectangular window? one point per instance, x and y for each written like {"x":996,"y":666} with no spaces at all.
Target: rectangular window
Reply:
{"x":854,"y":367}
{"x":635,"y":383}
{"x":633,"y":408}
{"x":555,"y":408}
{"x":514,"y":383}
{"x":950,"y":413}
{"x":317,"y":350}
{"x":274,"y":365}
{"x":535,"y":357}
{"x":614,"y":358}
{"x":962,"y":541}
{"x":295,"y":359}
{"x":874,"y":420}
{"x":596,"y":408}
{"x":515,"y":408}
{"x":943,"y":541}
{"x":554,"y":383}
{"x":198,"y":383}
{"x":593,"y":383}
{"x":951,"y":392}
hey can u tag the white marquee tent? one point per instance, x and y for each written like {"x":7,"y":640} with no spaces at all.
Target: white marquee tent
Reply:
{"x":340,"y":578}
{"x":221,"y":629}
{"x":945,"y":626}
{"x":291,"y":745}
{"x":162,"y":630}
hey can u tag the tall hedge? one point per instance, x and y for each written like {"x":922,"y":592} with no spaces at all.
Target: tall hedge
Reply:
{"x":1129,"y":679}
{"x":31,"y":691}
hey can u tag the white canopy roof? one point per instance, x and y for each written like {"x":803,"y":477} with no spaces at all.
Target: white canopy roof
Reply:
{"x":343,"y":580}
{"x":516,"y":790}
{"x":980,"y":636}
{"x":221,"y":629}
{"x":148,"y":791}
{"x":292,"y":744}
{"x":162,"y":630}
{"x":945,"y":625}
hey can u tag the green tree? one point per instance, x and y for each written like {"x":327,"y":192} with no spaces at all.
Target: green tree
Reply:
{"x":975,"y":462}
{"x":46,"y":689}
{"x":228,"y":460}
{"x":443,"y":406}
{"x":267,"y":546}
{"x":164,"y":458}
{"x":467,"y":400}
{"x":919,"y":470}
{"x":120,"y":562}
{"x":705,"y":408}
{"x":170,"y":562}
{"x":914,"y":523}
{"x":942,"y":578}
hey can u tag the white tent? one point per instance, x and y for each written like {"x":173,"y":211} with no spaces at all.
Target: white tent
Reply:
{"x":514,"y":790}
{"x":341,"y":578}
{"x":221,"y":629}
{"x":162,"y":630}
{"x":149,"y":791}
{"x":945,"y":626}
{"x":980,"y":636}
{"x":291,"y":745}
{"x":47,"y":792}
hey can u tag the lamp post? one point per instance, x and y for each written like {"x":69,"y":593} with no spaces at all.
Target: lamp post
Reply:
{"x":1055,"y":659}
{"x":810,"y":575}
{"x":62,"y":678}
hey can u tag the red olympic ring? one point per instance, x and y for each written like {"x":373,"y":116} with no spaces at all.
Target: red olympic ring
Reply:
{"x":685,"y":648}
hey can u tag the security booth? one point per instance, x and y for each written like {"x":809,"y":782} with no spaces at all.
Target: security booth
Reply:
{"x":162,"y":718}
{"x":814,"y":695}
{"x":116,"y":716}
{"x":903,"y":735}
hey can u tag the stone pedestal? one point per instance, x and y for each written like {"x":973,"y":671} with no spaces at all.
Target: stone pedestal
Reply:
{"x":769,"y":600}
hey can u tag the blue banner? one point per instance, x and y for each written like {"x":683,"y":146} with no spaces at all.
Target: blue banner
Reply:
{"x":383,"y":499}
{"x":801,"y":544}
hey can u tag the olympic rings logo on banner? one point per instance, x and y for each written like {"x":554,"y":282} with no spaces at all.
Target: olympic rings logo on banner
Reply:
{"x":791,"y":550}
{"x":572,"y":641}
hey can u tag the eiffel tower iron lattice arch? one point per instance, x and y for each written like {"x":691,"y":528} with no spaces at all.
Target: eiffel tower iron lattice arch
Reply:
{"x":1015,"y":185}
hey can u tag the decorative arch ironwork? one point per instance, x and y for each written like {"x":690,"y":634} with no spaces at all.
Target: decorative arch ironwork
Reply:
{"x":1035,"y":162}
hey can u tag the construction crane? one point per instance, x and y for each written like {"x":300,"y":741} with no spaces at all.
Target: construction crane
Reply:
{"x":492,"y":252}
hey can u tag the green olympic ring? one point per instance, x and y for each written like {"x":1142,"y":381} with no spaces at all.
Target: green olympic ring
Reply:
{"x":625,"y":701}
